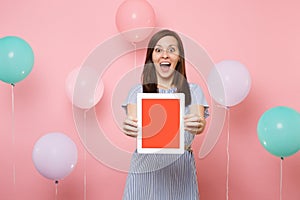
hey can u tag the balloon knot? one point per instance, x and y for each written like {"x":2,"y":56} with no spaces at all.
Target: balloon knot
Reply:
{"x":56,"y":181}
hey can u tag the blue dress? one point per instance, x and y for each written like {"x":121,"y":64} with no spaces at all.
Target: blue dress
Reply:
{"x":164,"y":176}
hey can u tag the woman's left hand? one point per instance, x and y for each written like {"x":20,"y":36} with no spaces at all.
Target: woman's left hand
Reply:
{"x":194,"y":124}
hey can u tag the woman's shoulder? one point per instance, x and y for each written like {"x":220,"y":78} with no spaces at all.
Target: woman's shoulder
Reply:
{"x":194,"y":86}
{"x":136,"y":88}
{"x":132,"y":94}
{"x":195,"y":89}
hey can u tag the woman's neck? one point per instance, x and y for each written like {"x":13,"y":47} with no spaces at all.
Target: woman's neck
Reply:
{"x":165,"y":83}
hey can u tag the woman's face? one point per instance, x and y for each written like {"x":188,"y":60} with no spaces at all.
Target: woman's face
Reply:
{"x":165,"y":57}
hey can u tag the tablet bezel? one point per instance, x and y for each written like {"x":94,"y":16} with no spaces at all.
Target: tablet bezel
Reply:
{"x":162,"y":96}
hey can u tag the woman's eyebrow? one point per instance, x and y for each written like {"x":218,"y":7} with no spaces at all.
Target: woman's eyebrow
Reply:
{"x":158,"y":45}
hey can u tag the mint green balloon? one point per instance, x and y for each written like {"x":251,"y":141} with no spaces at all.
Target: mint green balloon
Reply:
{"x":279,"y":131}
{"x":16,"y":59}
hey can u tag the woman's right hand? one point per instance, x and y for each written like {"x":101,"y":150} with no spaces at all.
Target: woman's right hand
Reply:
{"x":130,"y":127}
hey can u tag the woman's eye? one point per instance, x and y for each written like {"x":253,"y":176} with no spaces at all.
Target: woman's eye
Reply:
{"x":157,"y":50}
{"x":172,"y":50}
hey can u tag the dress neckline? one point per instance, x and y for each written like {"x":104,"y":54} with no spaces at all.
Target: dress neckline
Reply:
{"x":170,"y":90}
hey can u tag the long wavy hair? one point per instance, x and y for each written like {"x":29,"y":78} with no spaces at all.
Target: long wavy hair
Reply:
{"x":149,"y":78}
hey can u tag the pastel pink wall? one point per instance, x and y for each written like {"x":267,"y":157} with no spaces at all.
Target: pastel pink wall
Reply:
{"x":263,"y":35}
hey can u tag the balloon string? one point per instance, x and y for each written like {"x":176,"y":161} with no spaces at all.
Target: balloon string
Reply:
{"x":13,"y":133}
{"x":56,"y":190}
{"x":228,"y":156}
{"x":135,"y":56}
{"x":84,"y":156}
{"x":280,"y":183}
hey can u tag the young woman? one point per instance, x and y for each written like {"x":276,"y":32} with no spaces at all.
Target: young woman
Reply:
{"x":165,"y":176}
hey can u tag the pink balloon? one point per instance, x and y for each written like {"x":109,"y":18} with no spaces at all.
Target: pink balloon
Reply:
{"x":88,"y":91}
{"x":229,"y":83}
{"x":135,"y":19}
{"x":54,"y":156}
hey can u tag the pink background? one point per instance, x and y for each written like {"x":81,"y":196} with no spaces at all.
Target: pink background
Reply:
{"x":263,"y":35}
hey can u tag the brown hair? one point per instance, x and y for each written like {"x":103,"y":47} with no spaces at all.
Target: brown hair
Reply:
{"x":149,"y":78}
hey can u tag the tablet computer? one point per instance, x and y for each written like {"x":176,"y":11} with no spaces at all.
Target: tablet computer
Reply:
{"x":160,"y":123}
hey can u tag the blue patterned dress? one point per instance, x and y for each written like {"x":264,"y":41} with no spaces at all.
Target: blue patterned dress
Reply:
{"x":164,"y":176}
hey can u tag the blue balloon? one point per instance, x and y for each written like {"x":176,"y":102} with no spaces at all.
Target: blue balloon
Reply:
{"x":279,"y":131}
{"x":16,"y":59}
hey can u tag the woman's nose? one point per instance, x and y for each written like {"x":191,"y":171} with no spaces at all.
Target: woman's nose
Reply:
{"x":165,"y":54}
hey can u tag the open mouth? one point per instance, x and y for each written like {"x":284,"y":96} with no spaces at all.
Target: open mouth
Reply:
{"x":165,"y":66}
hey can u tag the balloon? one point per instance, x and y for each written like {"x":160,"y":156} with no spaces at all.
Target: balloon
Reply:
{"x":81,"y":89}
{"x":229,"y":82}
{"x":137,"y":16}
{"x":279,"y":131}
{"x":54,"y":156}
{"x":16,"y":59}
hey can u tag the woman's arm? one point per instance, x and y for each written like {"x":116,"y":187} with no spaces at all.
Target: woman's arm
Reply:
{"x":195,"y":121}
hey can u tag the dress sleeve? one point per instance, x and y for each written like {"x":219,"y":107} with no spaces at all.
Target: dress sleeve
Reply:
{"x":199,"y":98}
{"x":132,"y":96}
